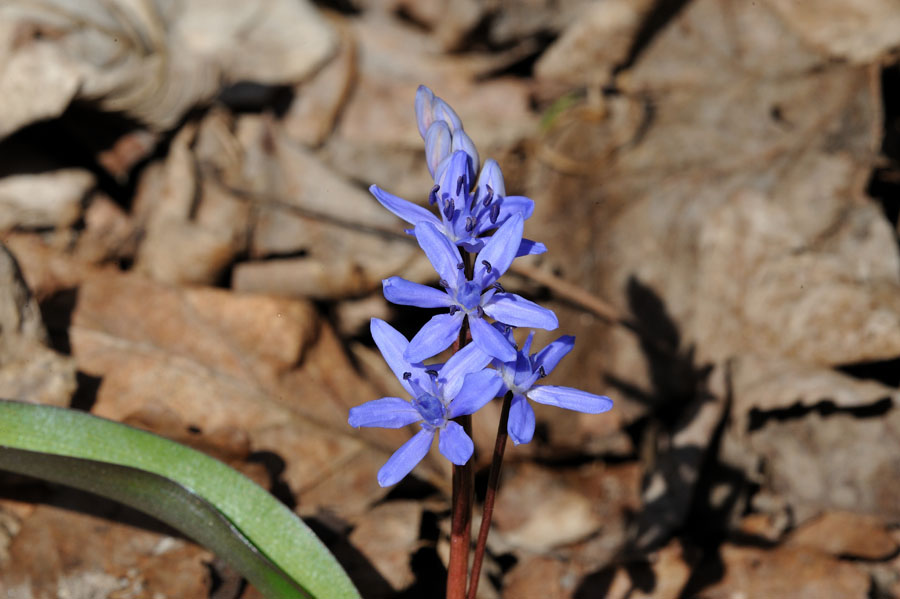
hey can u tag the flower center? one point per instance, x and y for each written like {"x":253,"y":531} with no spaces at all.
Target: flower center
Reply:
{"x":431,"y":409}
{"x":468,"y":296}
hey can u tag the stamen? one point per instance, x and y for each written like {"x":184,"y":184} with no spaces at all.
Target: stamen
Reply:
{"x":490,"y":196}
{"x":470,"y":224}
{"x":542,"y":371}
{"x":495,"y":213}
{"x":498,"y":287}
{"x":449,"y":207}
{"x":508,"y":329}
{"x":459,"y":184}
{"x":432,"y":197}
{"x":460,"y":265}
{"x":431,"y":373}
{"x":407,"y":376}
{"x":487,"y":266}
{"x":444,"y":284}
{"x":479,"y":311}
{"x":454,"y":309}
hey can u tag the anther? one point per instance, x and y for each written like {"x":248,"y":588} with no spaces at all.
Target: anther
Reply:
{"x":459,"y":184}
{"x":479,"y":311}
{"x":407,"y":376}
{"x":444,"y":284}
{"x":470,"y":224}
{"x":490,"y":195}
{"x":460,"y":265}
{"x":454,"y":309}
{"x":495,"y":213}
{"x":487,"y":265}
{"x":431,"y":373}
{"x":432,"y":197}
{"x":448,"y":208}
{"x":498,"y":287}
{"x":508,"y":329}
{"x":542,"y":371}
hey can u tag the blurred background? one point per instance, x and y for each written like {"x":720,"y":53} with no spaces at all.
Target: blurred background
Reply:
{"x":188,"y":246}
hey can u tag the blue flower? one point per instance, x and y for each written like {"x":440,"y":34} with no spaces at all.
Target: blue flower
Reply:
{"x":440,"y":393}
{"x":466,"y":214}
{"x":442,"y":130}
{"x":519,"y":376}
{"x":472,"y":299}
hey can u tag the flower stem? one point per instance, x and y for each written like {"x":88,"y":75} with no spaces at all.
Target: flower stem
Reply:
{"x":463,"y":492}
{"x":491,"y":495}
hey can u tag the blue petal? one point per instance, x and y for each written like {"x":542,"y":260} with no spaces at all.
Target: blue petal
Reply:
{"x":462,"y":142}
{"x":550,"y":356}
{"x":509,"y":207}
{"x":457,"y":167}
{"x":406,"y":293}
{"x":408,"y":211}
{"x":392,"y":345}
{"x":478,"y":389}
{"x":437,"y":145}
{"x":517,"y":311}
{"x":467,"y":360}
{"x":526,"y":347}
{"x":387,"y":412}
{"x":491,"y":175}
{"x":498,"y":252}
{"x":424,"y":109}
{"x":443,"y":255}
{"x":491,"y":341}
{"x":433,"y":338}
{"x":443,"y":112}
{"x":570,"y":399}
{"x":530,"y":248}
{"x":521,"y":421}
{"x":455,"y":444}
{"x":405,"y":459}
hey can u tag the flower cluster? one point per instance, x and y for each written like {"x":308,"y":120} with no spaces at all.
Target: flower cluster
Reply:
{"x":469,"y":263}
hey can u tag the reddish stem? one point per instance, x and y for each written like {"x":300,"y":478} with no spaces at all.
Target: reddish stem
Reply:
{"x":491,"y":495}
{"x":463,"y":492}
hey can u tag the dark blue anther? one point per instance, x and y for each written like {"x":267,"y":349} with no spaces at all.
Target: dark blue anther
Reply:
{"x":449,"y":207}
{"x":490,"y":195}
{"x":487,"y":265}
{"x":495,"y":213}
{"x":432,"y":197}
{"x":498,"y":287}
{"x":453,"y":310}
{"x":459,"y":184}
{"x":542,"y":371}
{"x":431,"y":373}
{"x":479,"y":311}
{"x":407,"y":376}
{"x":444,"y":284}
{"x":474,"y":199}
{"x":470,"y":224}
{"x":460,"y":265}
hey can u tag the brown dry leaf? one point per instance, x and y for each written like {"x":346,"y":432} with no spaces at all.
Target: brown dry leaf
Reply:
{"x":387,"y":535}
{"x":845,"y":534}
{"x":664,"y":577}
{"x":29,"y":370}
{"x":120,"y":54}
{"x":794,"y":572}
{"x":80,"y":546}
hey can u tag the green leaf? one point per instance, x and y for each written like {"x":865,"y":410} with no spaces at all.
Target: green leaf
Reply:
{"x":200,"y":496}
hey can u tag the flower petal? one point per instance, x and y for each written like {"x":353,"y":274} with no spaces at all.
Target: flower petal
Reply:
{"x":467,"y":360}
{"x":530,"y":248}
{"x":491,"y":175}
{"x":498,"y":252}
{"x":405,"y":459}
{"x":521,"y":420}
{"x":490,"y":340}
{"x":570,"y":399}
{"x":411,"y":213}
{"x":392,"y":345}
{"x":406,"y":293}
{"x":443,"y":112}
{"x":438,"y":141}
{"x":478,"y":389}
{"x":550,"y":356}
{"x":462,"y":142}
{"x":443,"y":255}
{"x":433,"y":338}
{"x":455,"y":444}
{"x":517,"y":311}
{"x":387,"y":412}
{"x":424,"y":109}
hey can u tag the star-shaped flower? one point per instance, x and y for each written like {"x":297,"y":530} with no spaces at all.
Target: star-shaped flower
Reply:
{"x":466,"y":213}
{"x":440,"y":393}
{"x":472,"y":299}
{"x":519,"y":376}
